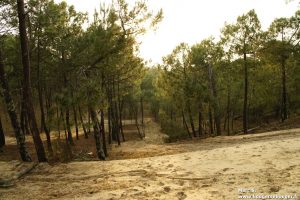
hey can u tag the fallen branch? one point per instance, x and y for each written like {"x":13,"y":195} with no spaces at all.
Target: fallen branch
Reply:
{"x":5,"y":183}
{"x":240,"y":132}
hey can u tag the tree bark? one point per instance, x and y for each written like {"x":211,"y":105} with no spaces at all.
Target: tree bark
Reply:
{"x":200,"y":121}
{"x":20,"y":137}
{"x":89,"y":122}
{"x":58,"y":117}
{"x":245,"y":108}
{"x":120,"y":113}
{"x":191,"y":120}
{"x":142,"y":110}
{"x":2,"y":137}
{"x":284,"y":111}
{"x":211,"y":125}
{"x":214,"y":99}
{"x":76,"y":122}
{"x":41,"y":101}
{"x":23,"y":116}
{"x":103,"y":132}
{"x":97,"y":134}
{"x":228,"y":109}
{"x":185,"y":124}
{"x":109,"y":125}
{"x":82,"y":123}
{"x":68,"y":126}
{"x":27,"y":83}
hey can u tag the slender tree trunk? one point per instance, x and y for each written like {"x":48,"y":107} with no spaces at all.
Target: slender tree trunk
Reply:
{"x":245,"y":109}
{"x":120,"y":113}
{"x":97,"y":134}
{"x":200,"y":121}
{"x":232,"y":121}
{"x":64,"y":125}
{"x":82,"y":123}
{"x":137,"y":123}
{"x":68,"y":126}
{"x":41,"y":101}
{"x":23,"y":116}
{"x":191,"y":120}
{"x":121,"y":123}
{"x":228,"y":109}
{"x":58,"y":121}
{"x":185,"y":124}
{"x":27,"y":83}
{"x":109,"y":125}
{"x":20,"y":137}
{"x":142,"y":110}
{"x":103,"y":132}
{"x":214,"y":99}
{"x":116,"y":127}
{"x":225,"y":123}
{"x":76,"y":122}
{"x":284,"y":111}
{"x":89,"y":122}
{"x":211,"y":124}
{"x":2,"y":137}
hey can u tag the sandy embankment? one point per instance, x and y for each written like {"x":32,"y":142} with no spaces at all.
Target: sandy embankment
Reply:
{"x":268,"y":164}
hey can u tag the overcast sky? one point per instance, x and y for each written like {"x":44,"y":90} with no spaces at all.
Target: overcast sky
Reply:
{"x":191,"y":21}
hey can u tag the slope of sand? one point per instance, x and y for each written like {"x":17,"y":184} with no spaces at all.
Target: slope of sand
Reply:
{"x":268,"y":163}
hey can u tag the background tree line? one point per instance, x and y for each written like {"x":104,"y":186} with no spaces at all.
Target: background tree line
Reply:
{"x":232,"y":84}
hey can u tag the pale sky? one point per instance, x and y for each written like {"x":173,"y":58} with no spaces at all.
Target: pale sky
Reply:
{"x":191,"y":21}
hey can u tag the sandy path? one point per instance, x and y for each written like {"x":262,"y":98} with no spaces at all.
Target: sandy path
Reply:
{"x":268,"y":163}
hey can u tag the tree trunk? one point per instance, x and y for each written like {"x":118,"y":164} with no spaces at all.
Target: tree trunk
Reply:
{"x":23,"y":116}
{"x":82,"y":123}
{"x":232,"y":121}
{"x":142,"y":110}
{"x":185,"y":124}
{"x":64,"y":125}
{"x":76,"y":122}
{"x":228,"y":109}
{"x":2,"y":137}
{"x":89,"y":122}
{"x":214,"y":99}
{"x":137,"y":122}
{"x":27,"y":83}
{"x":191,"y":119}
{"x":284,"y":111}
{"x":200,"y":121}
{"x":58,"y":121}
{"x":41,"y":101}
{"x":245,"y":108}
{"x":20,"y":137}
{"x":120,"y":113}
{"x":109,"y":125}
{"x":211,"y":124}
{"x":121,"y":123}
{"x":68,"y":126}
{"x":103,"y":132}
{"x":97,"y":134}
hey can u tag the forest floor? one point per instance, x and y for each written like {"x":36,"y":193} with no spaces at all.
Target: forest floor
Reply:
{"x":213,"y":168}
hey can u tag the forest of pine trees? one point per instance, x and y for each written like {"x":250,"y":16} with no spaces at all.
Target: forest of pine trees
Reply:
{"x":232,"y":84}
{"x":62,"y":73}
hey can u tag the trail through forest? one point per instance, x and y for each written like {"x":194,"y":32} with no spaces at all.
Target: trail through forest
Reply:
{"x":214,"y":168}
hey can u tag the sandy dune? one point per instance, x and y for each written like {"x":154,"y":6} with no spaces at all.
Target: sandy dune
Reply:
{"x":268,"y":163}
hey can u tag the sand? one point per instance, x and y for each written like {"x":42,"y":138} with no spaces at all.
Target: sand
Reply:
{"x":214,"y":168}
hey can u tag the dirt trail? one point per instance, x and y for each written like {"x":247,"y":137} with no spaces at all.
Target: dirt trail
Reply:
{"x":214,"y":168}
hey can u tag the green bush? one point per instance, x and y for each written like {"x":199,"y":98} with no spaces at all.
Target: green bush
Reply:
{"x":173,"y":129}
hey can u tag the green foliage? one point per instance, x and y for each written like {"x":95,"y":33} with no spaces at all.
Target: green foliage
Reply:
{"x":171,"y":128}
